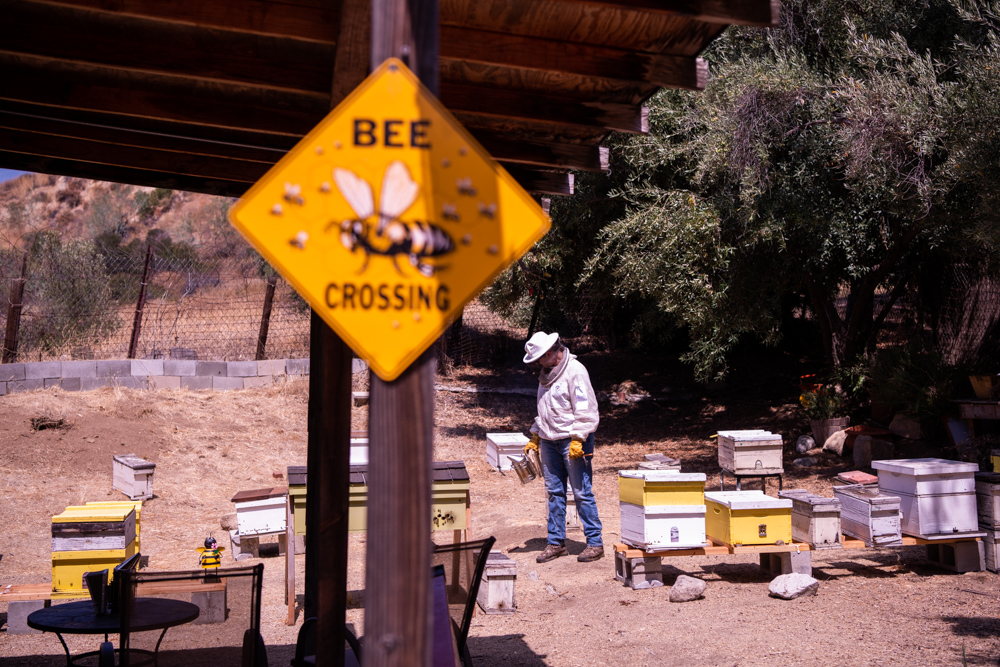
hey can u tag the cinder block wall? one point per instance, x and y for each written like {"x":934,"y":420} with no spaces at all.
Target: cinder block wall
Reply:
{"x":151,"y":374}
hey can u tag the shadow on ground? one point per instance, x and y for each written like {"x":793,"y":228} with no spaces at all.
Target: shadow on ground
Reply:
{"x":504,"y":650}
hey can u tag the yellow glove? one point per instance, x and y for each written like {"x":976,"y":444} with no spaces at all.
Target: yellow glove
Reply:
{"x":576,"y":449}
{"x":532,"y":444}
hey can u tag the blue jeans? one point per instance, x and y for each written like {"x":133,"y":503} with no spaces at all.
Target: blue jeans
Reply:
{"x":557,"y":466}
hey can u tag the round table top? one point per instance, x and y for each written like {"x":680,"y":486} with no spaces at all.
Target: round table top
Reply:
{"x":80,"y":618}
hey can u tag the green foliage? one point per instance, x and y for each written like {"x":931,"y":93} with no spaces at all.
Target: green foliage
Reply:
{"x":822,"y":402}
{"x":111,"y":209}
{"x":915,"y":382}
{"x":147,"y":202}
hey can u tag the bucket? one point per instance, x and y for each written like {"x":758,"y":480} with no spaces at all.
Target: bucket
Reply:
{"x":523,"y":469}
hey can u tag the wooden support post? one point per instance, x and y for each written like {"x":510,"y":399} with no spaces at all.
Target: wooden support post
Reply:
{"x":265,"y":318}
{"x":140,"y":304}
{"x":289,"y":560}
{"x":328,"y":478}
{"x":14,"y":314}
{"x":398,"y":599}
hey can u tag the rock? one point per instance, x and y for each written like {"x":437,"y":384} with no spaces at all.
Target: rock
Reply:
{"x":863,"y":451}
{"x":804,"y":444}
{"x":882,"y":449}
{"x":686,"y":589}
{"x":906,"y":427}
{"x":835,"y":443}
{"x":794,"y":585}
{"x":228,"y":522}
{"x":805,"y":461}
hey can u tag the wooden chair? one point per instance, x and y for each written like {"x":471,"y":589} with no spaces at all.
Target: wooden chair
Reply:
{"x":226,"y":632}
{"x":464,"y":564}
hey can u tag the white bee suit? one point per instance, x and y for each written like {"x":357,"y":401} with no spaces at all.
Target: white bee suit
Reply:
{"x":567,"y":405}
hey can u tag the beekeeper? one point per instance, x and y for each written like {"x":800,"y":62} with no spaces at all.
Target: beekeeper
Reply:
{"x":563,"y":434}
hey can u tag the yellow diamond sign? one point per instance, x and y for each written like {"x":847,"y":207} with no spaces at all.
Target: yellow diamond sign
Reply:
{"x":388,"y":218}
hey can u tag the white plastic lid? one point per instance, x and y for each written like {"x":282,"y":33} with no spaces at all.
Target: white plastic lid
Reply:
{"x":507,"y":438}
{"x":925,"y":466}
{"x":750,"y":435}
{"x":663,"y":475}
{"x":747,"y":500}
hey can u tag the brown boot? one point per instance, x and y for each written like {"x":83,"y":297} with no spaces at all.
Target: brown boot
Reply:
{"x":552,"y":551}
{"x":591,"y":554}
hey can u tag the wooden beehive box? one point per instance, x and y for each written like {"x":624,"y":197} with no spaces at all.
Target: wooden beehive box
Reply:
{"x":134,"y":504}
{"x":260,"y":511}
{"x":449,"y":492}
{"x":869,"y":515}
{"x":133,"y":476}
{"x":502,"y":447}
{"x":359,"y":451}
{"x":815,"y":519}
{"x":661,"y":487}
{"x":747,"y":517}
{"x":990,"y":543}
{"x":662,"y":527}
{"x":89,"y":538}
{"x":988,"y":499}
{"x":936,"y":496}
{"x":497,"y":589}
{"x":297,"y":494}
{"x":750,"y":452}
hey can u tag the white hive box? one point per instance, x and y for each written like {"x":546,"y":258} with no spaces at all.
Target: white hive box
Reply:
{"x":496,"y":591}
{"x":133,"y":476}
{"x":937,"y":496}
{"x":815,"y":519}
{"x":869,"y":515}
{"x":260,"y":511}
{"x":750,"y":452}
{"x":359,"y":451}
{"x":502,"y":447}
{"x":662,"y":527}
{"x":988,"y":499}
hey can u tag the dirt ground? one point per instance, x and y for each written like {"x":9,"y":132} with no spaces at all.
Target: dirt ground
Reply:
{"x":874,"y":607}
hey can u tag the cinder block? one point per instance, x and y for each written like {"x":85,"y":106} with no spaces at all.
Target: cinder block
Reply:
{"x":958,"y":556}
{"x":164,"y":382}
{"x":183,"y":368}
{"x":211,"y":607}
{"x":52,"y":382}
{"x":11,"y":372}
{"x":638,"y":573}
{"x":41,"y":370}
{"x":25,"y":385}
{"x":241,"y":369}
{"x":359,"y":366}
{"x":70,"y":384}
{"x":147,"y":367}
{"x":17,"y":616}
{"x":89,"y":384}
{"x":297,"y":367}
{"x":118,"y":368}
{"x":271,"y":367}
{"x":3,"y":388}
{"x":226,"y":383}
{"x":211,"y":368}
{"x":79,"y":369}
{"x":129,"y":382}
{"x":196,"y":382}
{"x":258,"y":381}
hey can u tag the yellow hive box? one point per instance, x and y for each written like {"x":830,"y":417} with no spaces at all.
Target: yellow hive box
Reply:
{"x":661,"y":487}
{"x":68,"y":567}
{"x":297,"y":494}
{"x":747,"y":518}
{"x":448,"y":497}
{"x":137,"y":504}
{"x":995,"y":459}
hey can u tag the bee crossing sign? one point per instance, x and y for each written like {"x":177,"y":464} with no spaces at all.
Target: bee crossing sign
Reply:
{"x":388,"y":218}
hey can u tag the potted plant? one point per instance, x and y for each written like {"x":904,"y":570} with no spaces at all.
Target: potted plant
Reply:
{"x":822,"y":404}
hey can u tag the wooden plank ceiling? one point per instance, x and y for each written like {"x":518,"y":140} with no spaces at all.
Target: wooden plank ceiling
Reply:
{"x":206,"y":95}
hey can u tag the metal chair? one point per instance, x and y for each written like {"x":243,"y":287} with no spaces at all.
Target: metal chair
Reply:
{"x":464,"y":564}
{"x":226,"y":631}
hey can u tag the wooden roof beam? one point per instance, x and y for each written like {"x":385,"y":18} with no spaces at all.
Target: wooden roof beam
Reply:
{"x":494,"y":48}
{"x":541,"y":182}
{"x":762,"y":13}
{"x":543,"y":154}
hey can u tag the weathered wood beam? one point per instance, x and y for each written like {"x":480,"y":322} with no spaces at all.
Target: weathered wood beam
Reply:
{"x":541,"y":182}
{"x":544,"y":154}
{"x":527,"y":105}
{"x":741,"y":12}
{"x":353,"y":53}
{"x":506,"y":50}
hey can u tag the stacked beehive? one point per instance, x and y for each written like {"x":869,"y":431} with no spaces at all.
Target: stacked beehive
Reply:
{"x":988,"y":503}
{"x":662,"y":509}
{"x":88,"y":538}
{"x":936,"y":497}
{"x":502,"y":447}
{"x":747,"y":518}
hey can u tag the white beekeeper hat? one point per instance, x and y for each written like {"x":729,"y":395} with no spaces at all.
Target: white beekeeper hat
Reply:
{"x":538,"y":345}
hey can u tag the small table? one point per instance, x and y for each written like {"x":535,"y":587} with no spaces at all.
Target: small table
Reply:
{"x":80,"y":618}
{"x":740,"y":476}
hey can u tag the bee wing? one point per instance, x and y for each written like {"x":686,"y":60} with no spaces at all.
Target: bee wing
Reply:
{"x":398,"y":190}
{"x":356,"y":191}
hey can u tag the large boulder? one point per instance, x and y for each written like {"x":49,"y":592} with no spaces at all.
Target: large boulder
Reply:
{"x":863,"y":451}
{"x":794,"y":585}
{"x":835,"y":443}
{"x":906,"y":427}
{"x":686,"y":589}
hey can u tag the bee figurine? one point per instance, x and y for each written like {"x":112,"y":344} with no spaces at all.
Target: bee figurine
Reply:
{"x":391,"y":236}
{"x":211,"y":554}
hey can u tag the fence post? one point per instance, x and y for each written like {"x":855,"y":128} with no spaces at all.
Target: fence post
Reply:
{"x":140,"y":304}
{"x":265,"y":318}
{"x":14,"y":314}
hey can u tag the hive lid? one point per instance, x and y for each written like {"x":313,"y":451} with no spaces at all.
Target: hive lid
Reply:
{"x":94,"y":513}
{"x":988,"y":478}
{"x":134,"y":462}
{"x":868,"y":493}
{"x":818,"y":503}
{"x":917,"y":467}
{"x":756,"y":435}
{"x":260,"y":494}
{"x":508,"y":439}
{"x":441,"y":471}
{"x":663,"y":475}
{"x":747,"y":500}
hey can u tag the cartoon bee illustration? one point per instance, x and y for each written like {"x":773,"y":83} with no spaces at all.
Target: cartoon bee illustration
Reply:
{"x":391,"y":236}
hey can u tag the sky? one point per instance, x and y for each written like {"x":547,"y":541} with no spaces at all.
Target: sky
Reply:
{"x":7,"y":174}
